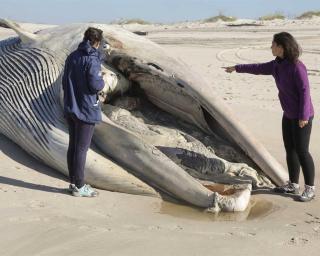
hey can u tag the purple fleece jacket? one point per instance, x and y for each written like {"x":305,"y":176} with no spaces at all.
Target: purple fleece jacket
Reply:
{"x":292,"y":82}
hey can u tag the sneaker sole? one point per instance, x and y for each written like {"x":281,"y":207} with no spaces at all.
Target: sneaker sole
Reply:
{"x":301,"y":199}
{"x":79,"y":195}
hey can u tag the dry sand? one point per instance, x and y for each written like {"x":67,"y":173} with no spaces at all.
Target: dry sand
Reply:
{"x":38,"y":217}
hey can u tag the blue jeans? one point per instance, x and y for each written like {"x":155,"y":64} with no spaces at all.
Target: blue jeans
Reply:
{"x":80,"y":135}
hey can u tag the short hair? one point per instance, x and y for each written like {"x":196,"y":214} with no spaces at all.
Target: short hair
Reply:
{"x":291,"y":48}
{"x":93,"y":35}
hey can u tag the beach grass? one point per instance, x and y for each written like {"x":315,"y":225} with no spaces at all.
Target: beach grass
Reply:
{"x":132,"y":21}
{"x":308,"y":15}
{"x":220,"y":17}
{"x":274,"y":16}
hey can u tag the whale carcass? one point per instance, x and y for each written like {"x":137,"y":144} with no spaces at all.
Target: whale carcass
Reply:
{"x":164,"y":130}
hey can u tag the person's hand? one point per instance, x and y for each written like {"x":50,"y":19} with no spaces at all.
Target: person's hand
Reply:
{"x":229,"y":69}
{"x":303,"y":123}
{"x":107,"y":49}
{"x":103,"y":97}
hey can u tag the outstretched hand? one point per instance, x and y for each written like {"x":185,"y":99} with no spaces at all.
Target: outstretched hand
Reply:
{"x":229,"y":69}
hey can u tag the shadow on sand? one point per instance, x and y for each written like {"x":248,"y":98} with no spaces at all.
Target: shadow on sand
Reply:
{"x":14,"y":152}
{"x":271,"y":192}
{"x":23,"y":184}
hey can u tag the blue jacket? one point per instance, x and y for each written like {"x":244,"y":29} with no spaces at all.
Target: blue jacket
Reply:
{"x":81,"y":83}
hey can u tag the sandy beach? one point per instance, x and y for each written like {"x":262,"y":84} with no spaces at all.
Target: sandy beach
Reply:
{"x":39,"y":217}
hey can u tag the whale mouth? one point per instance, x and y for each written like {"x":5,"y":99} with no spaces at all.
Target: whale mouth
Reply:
{"x":207,"y":156}
{"x":171,"y":86}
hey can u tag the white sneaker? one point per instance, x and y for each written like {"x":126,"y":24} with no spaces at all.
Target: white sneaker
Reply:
{"x":85,"y":191}
{"x":308,"y":194}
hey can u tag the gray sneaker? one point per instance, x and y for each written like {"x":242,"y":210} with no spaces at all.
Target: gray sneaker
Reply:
{"x":289,"y":187}
{"x":308,"y":194}
{"x":85,"y":191}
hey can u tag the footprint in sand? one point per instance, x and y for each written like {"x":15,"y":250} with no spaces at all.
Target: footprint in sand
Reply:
{"x":298,"y":241}
{"x":291,"y":225}
{"x":317,"y":229}
{"x":242,"y":234}
{"x":36,"y":204}
{"x":154,"y":228}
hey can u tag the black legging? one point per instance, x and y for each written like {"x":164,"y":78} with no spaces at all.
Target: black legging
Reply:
{"x":296,"y":141}
{"x":80,"y":135}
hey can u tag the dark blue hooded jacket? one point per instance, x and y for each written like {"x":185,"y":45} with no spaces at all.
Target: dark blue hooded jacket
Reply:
{"x":81,"y":83}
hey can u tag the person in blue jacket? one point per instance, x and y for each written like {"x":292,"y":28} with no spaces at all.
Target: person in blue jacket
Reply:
{"x":82,"y":81}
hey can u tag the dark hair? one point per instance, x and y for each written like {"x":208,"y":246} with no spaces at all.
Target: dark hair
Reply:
{"x":93,"y":35}
{"x":291,"y":49}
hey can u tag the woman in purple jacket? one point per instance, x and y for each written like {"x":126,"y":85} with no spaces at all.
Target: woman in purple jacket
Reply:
{"x":291,"y":79}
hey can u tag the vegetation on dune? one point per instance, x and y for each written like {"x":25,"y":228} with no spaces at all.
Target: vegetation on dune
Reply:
{"x":275,"y":16}
{"x":220,"y":17}
{"x":308,"y":15}
{"x":131,"y":21}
